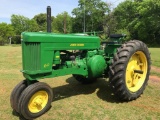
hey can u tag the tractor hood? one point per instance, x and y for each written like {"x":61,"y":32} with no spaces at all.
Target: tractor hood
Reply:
{"x":58,"y":38}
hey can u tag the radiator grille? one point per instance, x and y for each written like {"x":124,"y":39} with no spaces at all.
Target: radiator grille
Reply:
{"x":31,"y":56}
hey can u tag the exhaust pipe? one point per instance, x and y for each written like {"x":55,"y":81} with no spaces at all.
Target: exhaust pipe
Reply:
{"x":49,"y":19}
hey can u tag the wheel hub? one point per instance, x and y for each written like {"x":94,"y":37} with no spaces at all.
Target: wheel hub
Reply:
{"x":136,"y":71}
{"x":38,"y":101}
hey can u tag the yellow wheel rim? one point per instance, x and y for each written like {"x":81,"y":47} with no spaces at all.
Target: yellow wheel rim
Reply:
{"x":136,"y":71}
{"x":38,"y":101}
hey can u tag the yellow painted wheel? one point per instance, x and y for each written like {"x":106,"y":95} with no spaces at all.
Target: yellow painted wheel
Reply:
{"x":136,"y":71}
{"x":129,"y":70}
{"x":35,"y":100}
{"x":38,"y":101}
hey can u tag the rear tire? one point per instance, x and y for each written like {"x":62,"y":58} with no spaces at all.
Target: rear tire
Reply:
{"x":129,"y":70}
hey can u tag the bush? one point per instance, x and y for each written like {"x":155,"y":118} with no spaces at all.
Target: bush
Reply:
{"x":124,"y":31}
{"x":2,"y":41}
{"x":16,"y":39}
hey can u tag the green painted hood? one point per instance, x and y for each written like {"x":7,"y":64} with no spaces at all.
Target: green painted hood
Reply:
{"x":53,"y":37}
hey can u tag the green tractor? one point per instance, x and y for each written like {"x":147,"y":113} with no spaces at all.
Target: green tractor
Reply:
{"x":48,"y":55}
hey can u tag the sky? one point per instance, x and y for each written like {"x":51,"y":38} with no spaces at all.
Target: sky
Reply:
{"x":30,"y":8}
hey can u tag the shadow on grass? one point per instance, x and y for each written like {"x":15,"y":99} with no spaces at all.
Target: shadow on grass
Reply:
{"x":74,"y":88}
{"x":21,"y":117}
{"x":18,"y":115}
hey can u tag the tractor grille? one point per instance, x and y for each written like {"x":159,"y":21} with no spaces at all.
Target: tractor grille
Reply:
{"x":31,"y":56}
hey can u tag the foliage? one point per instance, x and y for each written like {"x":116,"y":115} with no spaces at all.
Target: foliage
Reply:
{"x":1,"y":40}
{"x":140,"y":18}
{"x":91,"y":13}
{"x":16,"y":39}
{"x":6,"y":30}
{"x":41,"y":20}
{"x":109,"y":24}
{"x":124,"y":31}
{"x":62,"y":23}
{"x":21,"y":24}
{"x":32,"y":26}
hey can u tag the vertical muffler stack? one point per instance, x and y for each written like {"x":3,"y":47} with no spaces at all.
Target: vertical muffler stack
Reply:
{"x":49,"y":19}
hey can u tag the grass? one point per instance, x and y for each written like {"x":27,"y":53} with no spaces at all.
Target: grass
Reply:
{"x":155,"y":73}
{"x":74,"y":101}
{"x":155,"y":57}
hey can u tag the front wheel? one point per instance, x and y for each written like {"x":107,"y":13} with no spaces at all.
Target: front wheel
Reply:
{"x":130,"y":69}
{"x":35,"y":100}
{"x":16,"y":93}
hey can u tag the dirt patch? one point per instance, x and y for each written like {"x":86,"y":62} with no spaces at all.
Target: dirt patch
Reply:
{"x":155,"y":69}
{"x":154,"y":79}
{"x":145,"y":107}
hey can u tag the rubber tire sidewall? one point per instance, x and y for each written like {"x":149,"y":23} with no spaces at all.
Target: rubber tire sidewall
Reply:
{"x":117,"y":69}
{"x":16,"y":93}
{"x":26,"y":96}
{"x":140,"y":91}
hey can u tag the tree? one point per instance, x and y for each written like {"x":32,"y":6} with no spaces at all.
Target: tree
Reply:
{"x":21,"y":24}
{"x":6,"y":30}
{"x":41,"y":20}
{"x":109,"y":24}
{"x":33,"y":26}
{"x":140,"y":18}
{"x":89,"y":15}
{"x":62,"y":23}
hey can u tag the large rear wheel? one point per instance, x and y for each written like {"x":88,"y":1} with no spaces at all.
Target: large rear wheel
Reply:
{"x":129,"y":70}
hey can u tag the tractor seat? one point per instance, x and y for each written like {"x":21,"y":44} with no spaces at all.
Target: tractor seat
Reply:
{"x":117,"y":35}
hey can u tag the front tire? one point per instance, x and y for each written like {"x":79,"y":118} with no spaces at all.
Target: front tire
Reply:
{"x":16,"y":93}
{"x":35,"y":100}
{"x":129,"y":70}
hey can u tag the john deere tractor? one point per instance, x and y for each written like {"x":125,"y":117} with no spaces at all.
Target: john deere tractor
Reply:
{"x":48,"y":55}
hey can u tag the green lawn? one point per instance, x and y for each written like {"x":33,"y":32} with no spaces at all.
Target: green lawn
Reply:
{"x":155,"y":56}
{"x":74,"y":101}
